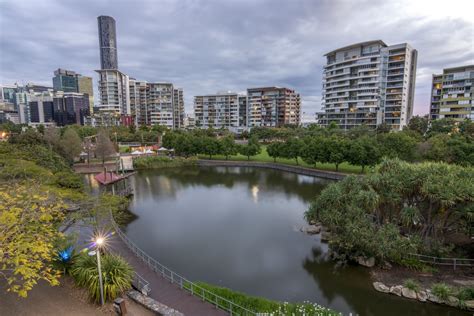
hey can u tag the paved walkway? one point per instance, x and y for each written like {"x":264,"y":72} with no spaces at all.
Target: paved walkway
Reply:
{"x":161,"y":289}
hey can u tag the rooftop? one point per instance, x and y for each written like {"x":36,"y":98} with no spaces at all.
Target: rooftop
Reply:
{"x":357,"y":45}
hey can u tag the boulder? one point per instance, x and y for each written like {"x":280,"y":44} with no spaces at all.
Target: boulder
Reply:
{"x":369,"y":263}
{"x":397,"y":290}
{"x":422,"y":296}
{"x":386,"y":265}
{"x":311,"y":230}
{"x":432,"y":298}
{"x":379,"y":286}
{"x":452,"y":301}
{"x":325,"y":236}
{"x":469,"y":304}
{"x":406,"y":292}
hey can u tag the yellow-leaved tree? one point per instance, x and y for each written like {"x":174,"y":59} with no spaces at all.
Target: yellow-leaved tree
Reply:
{"x":29,"y":219}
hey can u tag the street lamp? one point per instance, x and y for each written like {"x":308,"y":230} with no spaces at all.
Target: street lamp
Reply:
{"x":99,"y":241}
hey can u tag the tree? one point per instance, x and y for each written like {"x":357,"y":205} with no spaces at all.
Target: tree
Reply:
{"x":291,"y":149}
{"x":401,"y":208}
{"x":274,"y":150}
{"x":398,"y":145}
{"x":363,"y":152}
{"x":29,"y":216}
{"x":383,"y":128}
{"x":418,"y":124}
{"x":228,"y":146}
{"x":210,"y":146}
{"x":104,"y":147}
{"x":251,"y":149}
{"x":52,"y":137}
{"x":338,"y":148}
{"x":71,"y":144}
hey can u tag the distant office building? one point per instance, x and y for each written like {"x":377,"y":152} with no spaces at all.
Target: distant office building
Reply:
{"x":114,"y":93}
{"x":369,"y":83}
{"x":107,"y":42}
{"x":41,"y":109}
{"x":31,"y":87}
{"x":452,"y":95}
{"x":65,"y":80}
{"x":273,"y":107}
{"x":220,"y":110}
{"x":178,"y":108}
{"x":70,"y":108}
{"x":85,"y":86}
{"x":7,"y":93}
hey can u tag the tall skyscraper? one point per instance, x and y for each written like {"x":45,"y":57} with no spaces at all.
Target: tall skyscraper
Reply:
{"x":369,"y":83}
{"x":273,"y":107}
{"x":107,"y":42}
{"x":452,"y":95}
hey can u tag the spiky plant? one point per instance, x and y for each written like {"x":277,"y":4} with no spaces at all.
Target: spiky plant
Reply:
{"x":117,"y":275}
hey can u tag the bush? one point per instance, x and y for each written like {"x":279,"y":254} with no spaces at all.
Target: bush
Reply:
{"x":262,"y":305}
{"x":466,"y":294}
{"x":441,"y":290}
{"x":158,"y":162}
{"x":117,"y":275}
{"x":412,"y":285}
{"x":69,"y":180}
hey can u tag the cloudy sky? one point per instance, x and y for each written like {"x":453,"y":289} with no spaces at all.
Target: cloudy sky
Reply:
{"x":209,"y":46}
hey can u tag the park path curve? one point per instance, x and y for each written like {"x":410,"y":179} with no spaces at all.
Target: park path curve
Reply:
{"x":162,"y":290}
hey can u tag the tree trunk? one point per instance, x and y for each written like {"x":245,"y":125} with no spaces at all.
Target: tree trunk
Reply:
{"x":337,"y":167}
{"x":274,"y":159}
{"x":210,"y":156}
{"x":248,"y":158}
{"x":296,"y":161}
{"x":363,"y":168}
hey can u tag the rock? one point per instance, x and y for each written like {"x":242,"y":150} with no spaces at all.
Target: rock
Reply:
{"x":469,"y":304}
{"x":379,"y":286}
{"x":151,"y":304}
{"x":406,"y":292}
{"x":422,"y":296}
{"x":325,"y":236}
{"x":369,"y":263}
{"x":433,"y":298}
{"x":311,"y":230}
{"x":397,"y":290}
{"x":386,"y":265}
{"x":452,"y":301}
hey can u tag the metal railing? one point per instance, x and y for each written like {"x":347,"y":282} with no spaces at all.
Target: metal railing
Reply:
{"x":454,"y":262}
{"x":141,"y":284}
{"x":183,"y":283}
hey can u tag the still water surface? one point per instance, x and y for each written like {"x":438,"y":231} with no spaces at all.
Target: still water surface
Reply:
{"x":238,"y":227}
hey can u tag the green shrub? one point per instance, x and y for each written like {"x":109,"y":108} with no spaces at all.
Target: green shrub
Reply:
{"x":69,"y":180}
{"x":18,"y":169}
{"x":441,"y":290}
{"x":117,"y":275}
{"x":466,"y":294}
{"x":412,"y":285}
{"x":158,"y":162}
{"x":262,"y":305}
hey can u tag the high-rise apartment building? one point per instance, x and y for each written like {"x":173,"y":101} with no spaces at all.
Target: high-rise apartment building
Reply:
{"x":114,"y":93}
{"x":178,"y":108}
{"x":220,"y":110}
{"x":107,"y":42}
{"x":273,"y":107}
{"x":156,"y":103}
{"x":369,"y":83}
{"x":452,"y":94}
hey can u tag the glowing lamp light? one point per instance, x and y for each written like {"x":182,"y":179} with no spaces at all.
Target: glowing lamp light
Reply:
{"x":99,"y":241}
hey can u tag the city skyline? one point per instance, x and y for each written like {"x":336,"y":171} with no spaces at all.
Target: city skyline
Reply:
{"x":207,"y":47}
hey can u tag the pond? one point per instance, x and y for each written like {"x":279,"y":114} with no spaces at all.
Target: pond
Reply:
{"x":238,"y":227}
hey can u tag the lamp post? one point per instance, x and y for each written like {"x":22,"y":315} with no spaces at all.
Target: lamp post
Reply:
{"x":99,"y":241}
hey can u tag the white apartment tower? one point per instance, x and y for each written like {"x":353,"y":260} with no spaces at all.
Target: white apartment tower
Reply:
{"x":156,"y":103}
{"x":369,"y":83}
{"x":220,"y":110}
{"x":114,"y":93}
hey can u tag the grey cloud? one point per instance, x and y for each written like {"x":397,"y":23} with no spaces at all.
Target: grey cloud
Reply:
{"x":208,"y":46}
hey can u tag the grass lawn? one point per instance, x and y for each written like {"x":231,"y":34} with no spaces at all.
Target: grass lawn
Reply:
{"x":264,"y":157}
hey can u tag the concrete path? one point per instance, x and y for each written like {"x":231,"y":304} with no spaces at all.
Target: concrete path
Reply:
{"x":161,"y":289}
